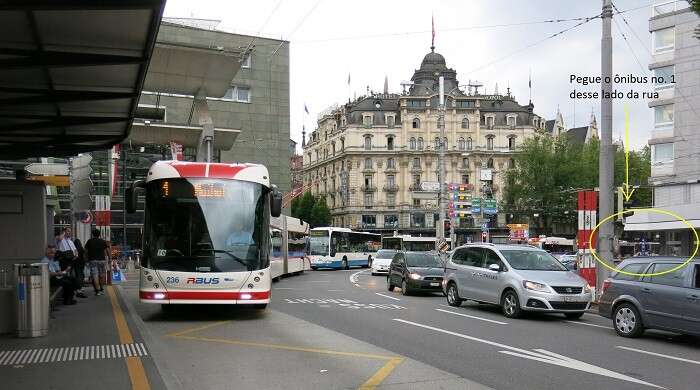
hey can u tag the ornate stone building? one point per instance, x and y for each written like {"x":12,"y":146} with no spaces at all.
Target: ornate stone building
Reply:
{"x":372,"y":158}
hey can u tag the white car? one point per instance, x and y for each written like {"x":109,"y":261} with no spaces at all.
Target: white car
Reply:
{"x":382,"y":261}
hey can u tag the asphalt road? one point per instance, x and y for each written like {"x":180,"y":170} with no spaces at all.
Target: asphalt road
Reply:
{"x":476,"y":342}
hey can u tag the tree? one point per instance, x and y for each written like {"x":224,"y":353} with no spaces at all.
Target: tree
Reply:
{"x":305,"y":204}
{"x":695,"y":6}
{"x":549,"y":171}
{"x":320,"y":214}
{"x":311,"y":209}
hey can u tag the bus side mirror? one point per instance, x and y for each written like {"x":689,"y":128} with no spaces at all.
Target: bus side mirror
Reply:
{"x":131,"y":195}
{"x":275,"y":202}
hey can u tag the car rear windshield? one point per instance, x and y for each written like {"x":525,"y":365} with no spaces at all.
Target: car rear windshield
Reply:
{"x":422,"y":260}
{"x":385,"y":254}
{"x":634,"y":268}
{"x":533,"y":260}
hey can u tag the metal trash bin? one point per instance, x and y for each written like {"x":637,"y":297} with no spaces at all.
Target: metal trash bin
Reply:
{"x":32,"y":299}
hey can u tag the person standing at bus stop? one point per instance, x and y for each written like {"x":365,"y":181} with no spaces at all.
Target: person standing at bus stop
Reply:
{"x":97,"y":252}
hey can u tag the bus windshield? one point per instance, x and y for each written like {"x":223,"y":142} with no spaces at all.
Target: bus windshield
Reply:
{"x":418,"y":246}
{"x":318,"y":243}
{"x":393,"y":243}
{"x":206,"y":225}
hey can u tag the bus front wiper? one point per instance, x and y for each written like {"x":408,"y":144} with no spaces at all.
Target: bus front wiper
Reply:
{"x":246,"y":264}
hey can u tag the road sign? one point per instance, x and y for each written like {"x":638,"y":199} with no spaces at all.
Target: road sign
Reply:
{"x":425,"y":195}
{"x":430,"y":186}
{"x":476,"y":206}
{"x":54,"y":169}
{"x":486,"y":174}
{"x":485,"y":227}
{"x":490,"y":206}
{"x":58,"y":181}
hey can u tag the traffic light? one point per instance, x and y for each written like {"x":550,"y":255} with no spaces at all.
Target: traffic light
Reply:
{"x":446,"y":225}
{"x":626,"y":206}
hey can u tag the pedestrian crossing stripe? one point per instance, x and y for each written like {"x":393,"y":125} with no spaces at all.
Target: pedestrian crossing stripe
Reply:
{"x":66,"y":354}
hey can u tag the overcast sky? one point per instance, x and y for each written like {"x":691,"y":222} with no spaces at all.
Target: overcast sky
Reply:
{"x":493,"y":41}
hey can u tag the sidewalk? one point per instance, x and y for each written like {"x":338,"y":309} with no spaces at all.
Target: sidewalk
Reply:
{"x":92,"y":343}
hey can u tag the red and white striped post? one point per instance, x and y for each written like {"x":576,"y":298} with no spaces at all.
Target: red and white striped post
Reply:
{"x":587,"y":219}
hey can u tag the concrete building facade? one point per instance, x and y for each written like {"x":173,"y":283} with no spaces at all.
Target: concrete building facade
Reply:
{"x":675,"y":135}
{"x":375,"y":159}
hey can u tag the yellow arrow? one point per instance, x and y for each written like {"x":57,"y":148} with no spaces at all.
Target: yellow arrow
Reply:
{"x":626,"y":187}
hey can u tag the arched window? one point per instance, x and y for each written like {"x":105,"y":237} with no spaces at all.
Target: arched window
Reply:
{"x":420,"y":143}
{"x":412,"y":143}
{"x":416,"y":123}
{"x":446,"y":144}
{"x":465,"y":123}
{"x":489,"y":163}
{"x":470,"y":144}
{"x":461,"y":144}
{"x":437,"y":143}
{"x":368,"y":142}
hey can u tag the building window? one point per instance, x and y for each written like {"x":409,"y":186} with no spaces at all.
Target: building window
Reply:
{"x":390,"y":180}
{"x":445,"y":144}
{"x":489,"y":163}
{"x":465,"y":179}
{"x":318,"y":155}
{"x":663,"y":116}
{"x":664,"y":40}
{"x":238,"y":94}
{"x":437,"y":143}
{"x":418,"y":220}
{"x":420,"y":143}
{"x":416,"y":180}
{"x":368,"y":163}
{"x":465,"y":162}
{"x":391,"y":220}
{"x":489,"y":122}
{"x":390,"y":121}
{"x":342,"y":144}
{"x":469,"y":143}
{"x":333,"y":147}
{"x":367,"y":120}
{"x":416,"y":163}
{"x":368,"y":142}
{"x":391,"y":199}
{"x":416,"y":103}
{"x":412,"y":144}
{"x":465,"y":123}
{"x":489,"y":142}
{"x":369,"y":199}
{"x":664,"y":77}
{"x":368,"y":181}
{"x":390,"y":163}
{"x":511,"y":143}
{"x":416,"y":123}
{"x":416,"y":202}
{"x":510,"y":121}
{"x":390,"y":143}
{"x":461,"y":145}
{"x":246,"y":61}
{"x":369,"y":220}
{"x":661,"y":153}
{"x":511,"y":163}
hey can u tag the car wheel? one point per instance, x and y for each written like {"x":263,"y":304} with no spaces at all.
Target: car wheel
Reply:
{"x":369,"y":261}
{"x":453,"y":298}
{"x":260,"y":306}
{"x":389,"y":285}
{"x":573,"y":316}
{"x":511,"y":304}
{"x":627,"y":321}
{"x":345,"y":263}
{"x":314,"y":268}
{"x":404,"y":288}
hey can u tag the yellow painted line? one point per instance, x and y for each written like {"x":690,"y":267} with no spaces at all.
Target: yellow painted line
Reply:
{"x":196,"y":329}
{"x":288,"y":347}
{"x":137,"y":374}
{"x":379,"y":376}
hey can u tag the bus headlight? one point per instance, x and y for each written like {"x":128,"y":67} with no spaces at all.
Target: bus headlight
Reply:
{"x":414,"y":276}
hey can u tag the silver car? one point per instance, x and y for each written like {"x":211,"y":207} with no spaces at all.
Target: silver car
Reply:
{"x":516,"y":277}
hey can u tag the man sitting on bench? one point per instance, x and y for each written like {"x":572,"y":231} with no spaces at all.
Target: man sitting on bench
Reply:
{"x":60,"y":278}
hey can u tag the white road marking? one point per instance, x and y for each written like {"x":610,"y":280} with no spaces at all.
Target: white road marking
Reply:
{"x":587,"y":324}
{"x":318,"y":281}
{"x":659,"y":355}
{"x":540,"y":355}
{"x":286,"y":288}
{"x":337,"y":290}
{"x":353,"y":277}
{"x":473,"y":317}
{"x":386,"y":296}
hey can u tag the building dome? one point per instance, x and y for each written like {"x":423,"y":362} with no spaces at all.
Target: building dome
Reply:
{"x":433,"y":61}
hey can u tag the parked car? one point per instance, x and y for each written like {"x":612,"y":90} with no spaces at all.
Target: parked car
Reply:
{"x":516,"y":277}
{"x":670,"y":301}
{"x":415,"y":271}
{"x":382,"y":261}
{"x":568,"y":260}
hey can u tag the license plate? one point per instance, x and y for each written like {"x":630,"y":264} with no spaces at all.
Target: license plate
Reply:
{"x":434,"y":284}
{"x":570,"y":299}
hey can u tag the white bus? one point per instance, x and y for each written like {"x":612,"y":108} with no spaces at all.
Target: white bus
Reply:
{"x":206,"y":234}
{"x":288,"y":250}
{"x":409,"y":243}
{"x":331,"y":247}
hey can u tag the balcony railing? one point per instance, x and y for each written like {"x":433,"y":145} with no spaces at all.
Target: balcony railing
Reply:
{"x":414,"y":187}
{"x":369,"y":188}
{"x":391,"y":187}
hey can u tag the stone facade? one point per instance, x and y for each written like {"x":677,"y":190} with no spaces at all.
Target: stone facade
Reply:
{"x":369,"y":157}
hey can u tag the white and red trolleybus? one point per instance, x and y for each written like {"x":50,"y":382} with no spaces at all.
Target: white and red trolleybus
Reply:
{"x":206,"y":235}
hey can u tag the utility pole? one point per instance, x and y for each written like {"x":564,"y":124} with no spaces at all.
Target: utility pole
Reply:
{"x":124,"y":198}
{"x":440,"y":229}
{"x":607,"y":157}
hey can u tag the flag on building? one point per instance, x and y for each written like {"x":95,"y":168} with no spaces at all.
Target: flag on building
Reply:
{"x":114,"y":169}
{"x":176,"y":151}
